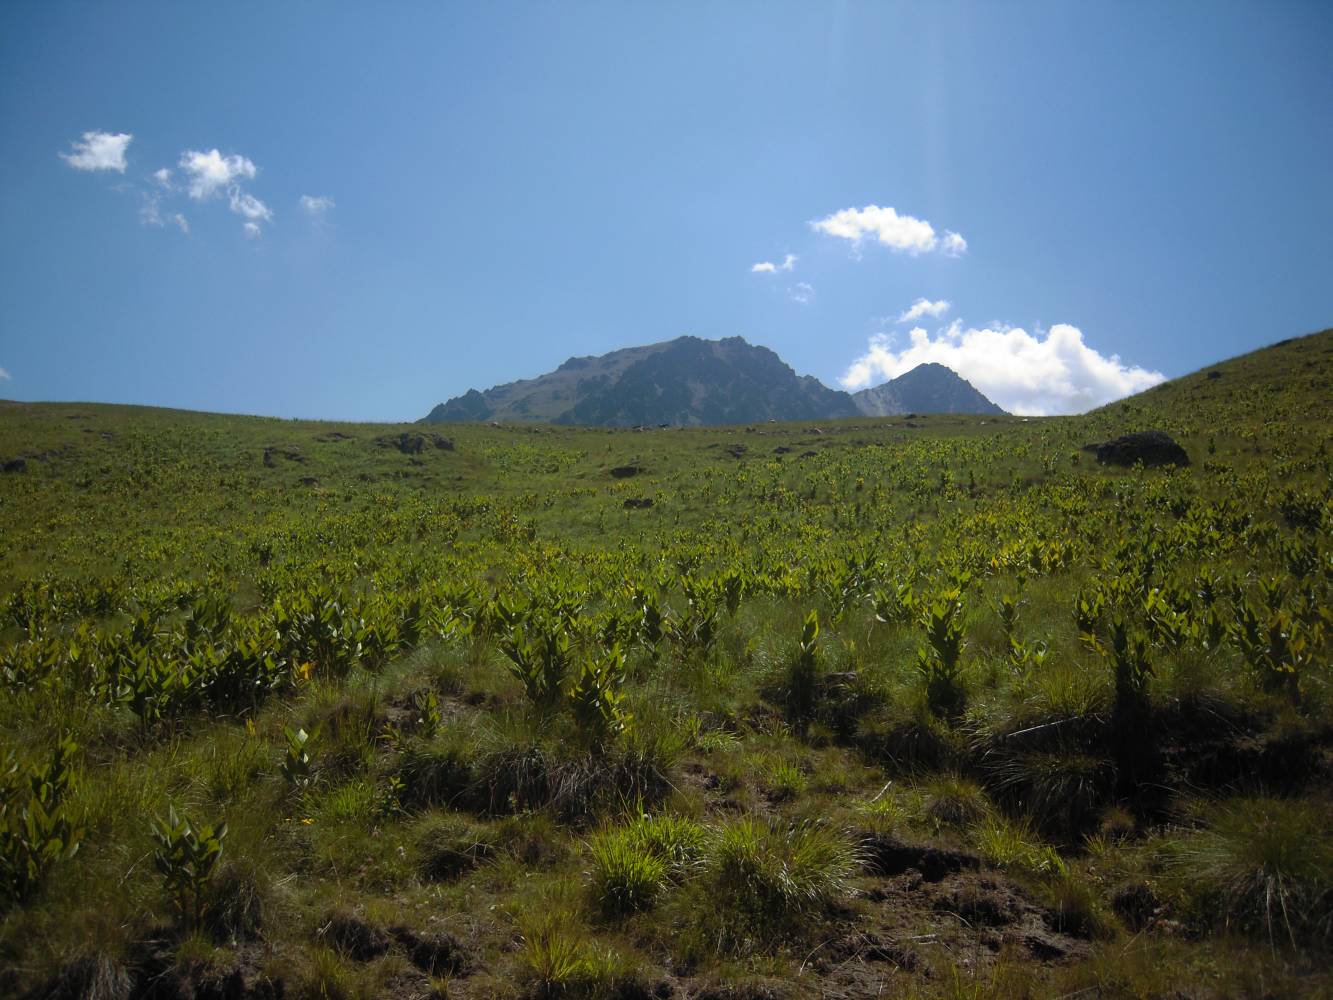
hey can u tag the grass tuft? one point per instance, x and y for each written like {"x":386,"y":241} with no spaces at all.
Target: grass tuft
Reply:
{"x":1261,"y":866}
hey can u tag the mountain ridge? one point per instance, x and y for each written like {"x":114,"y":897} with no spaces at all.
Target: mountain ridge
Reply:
{"x":690,"y":381}
{"x":927,"y":388}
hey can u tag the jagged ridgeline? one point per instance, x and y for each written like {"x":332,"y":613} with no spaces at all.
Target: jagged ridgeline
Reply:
{"x":935,"y":706}
{"x":690,"y":382}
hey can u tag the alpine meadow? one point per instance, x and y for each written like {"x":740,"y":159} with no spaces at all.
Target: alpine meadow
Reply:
{"x":920,"y":705}
{"x":762,"y":500}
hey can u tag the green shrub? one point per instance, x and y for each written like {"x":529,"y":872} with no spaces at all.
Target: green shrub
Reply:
{"x":596,"y":699}
{"x":36,"y":831}
{"x":802,"y":681}
{"x":940,"y":661}
{"x":187,"y":855}
{"x":296,"y":765}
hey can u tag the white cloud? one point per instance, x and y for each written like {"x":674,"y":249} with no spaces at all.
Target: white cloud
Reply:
{"x":1036,"y":375}
{"x":316,"y":205}
{"x":952,"y":245}
{"x":151,"y":214}
{"x":252,"y":230}
{"x":5,"y":376}
{"x":212,"y":172}
{"x":768,"y":267}
{"x":243,"y":203}
{"x":900,"y":233}
{"x":924,"y":307}
{"x":163,"y":176}
{"x":802,"y":293}
{"x":99,"y":151}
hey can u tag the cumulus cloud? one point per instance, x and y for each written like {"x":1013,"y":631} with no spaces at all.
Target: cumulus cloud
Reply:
{"x":1049,"y":373}
{"x":768,"y":267}
{"x":5,"y":376}
{"x":924,"y":307}
{"x":802,"y":292}
{"x":900,"y":233}
{"x":163,"y":177}
{"x":243,"y":203}
{"x":316,"y":205}
{"x":212,"y":172}
{"x":99,"y":151}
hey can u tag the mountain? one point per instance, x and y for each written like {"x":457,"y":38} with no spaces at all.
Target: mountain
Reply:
{"x":687,"y":381}
{"x":928,"y":388}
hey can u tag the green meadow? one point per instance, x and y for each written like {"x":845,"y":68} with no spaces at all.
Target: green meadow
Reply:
{"x":929,"y":706}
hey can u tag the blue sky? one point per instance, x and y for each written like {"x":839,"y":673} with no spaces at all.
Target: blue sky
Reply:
{"x":1049,"y":185}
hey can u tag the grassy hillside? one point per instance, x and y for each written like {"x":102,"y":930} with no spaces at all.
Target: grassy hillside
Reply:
{"x":934,"y":706}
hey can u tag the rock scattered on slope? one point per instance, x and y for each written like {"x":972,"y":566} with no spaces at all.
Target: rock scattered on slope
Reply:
{"x":1152,"y":448}
{"x":414,"y":444}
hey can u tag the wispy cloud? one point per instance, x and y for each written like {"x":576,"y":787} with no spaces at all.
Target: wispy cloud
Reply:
{"x":802,"y":292}
{"x":316,"y":205}
{"x":952,"y":245}
{"x":151,"y":214}
{"x":768,"y":267}
{"x":924,"y":307}
{"x":99,"y":151}
{"x":211,"y":172}
{"x":1055,"y":372}
{"x":252,"y":230}
{"x":5,"y":376}
{"x":163,"y":177}
{"x":900,"y":233}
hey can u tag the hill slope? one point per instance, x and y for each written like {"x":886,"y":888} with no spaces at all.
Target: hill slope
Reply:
{"x":928,"y":388}
{"x":181,"y":592}
{"x":682,"y":382}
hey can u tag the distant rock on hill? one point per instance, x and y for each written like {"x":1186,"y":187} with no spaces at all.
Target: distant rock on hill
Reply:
{"x":928,"y":388}
{"x":682,"y":382}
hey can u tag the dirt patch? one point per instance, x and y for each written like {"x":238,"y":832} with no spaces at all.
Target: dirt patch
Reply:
{"x":929,"y":912}
{"x":437,"y":954}
{"x":354,"y":936}
{"x":288,"y":451}
{"x":890,"y":857}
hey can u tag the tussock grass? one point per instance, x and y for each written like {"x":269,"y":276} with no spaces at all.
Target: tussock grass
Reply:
{"x":1261,"y":866}
{"x":766,"y":880}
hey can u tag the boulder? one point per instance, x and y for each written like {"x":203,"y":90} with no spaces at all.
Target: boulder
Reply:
{"x":1149,"y":447}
